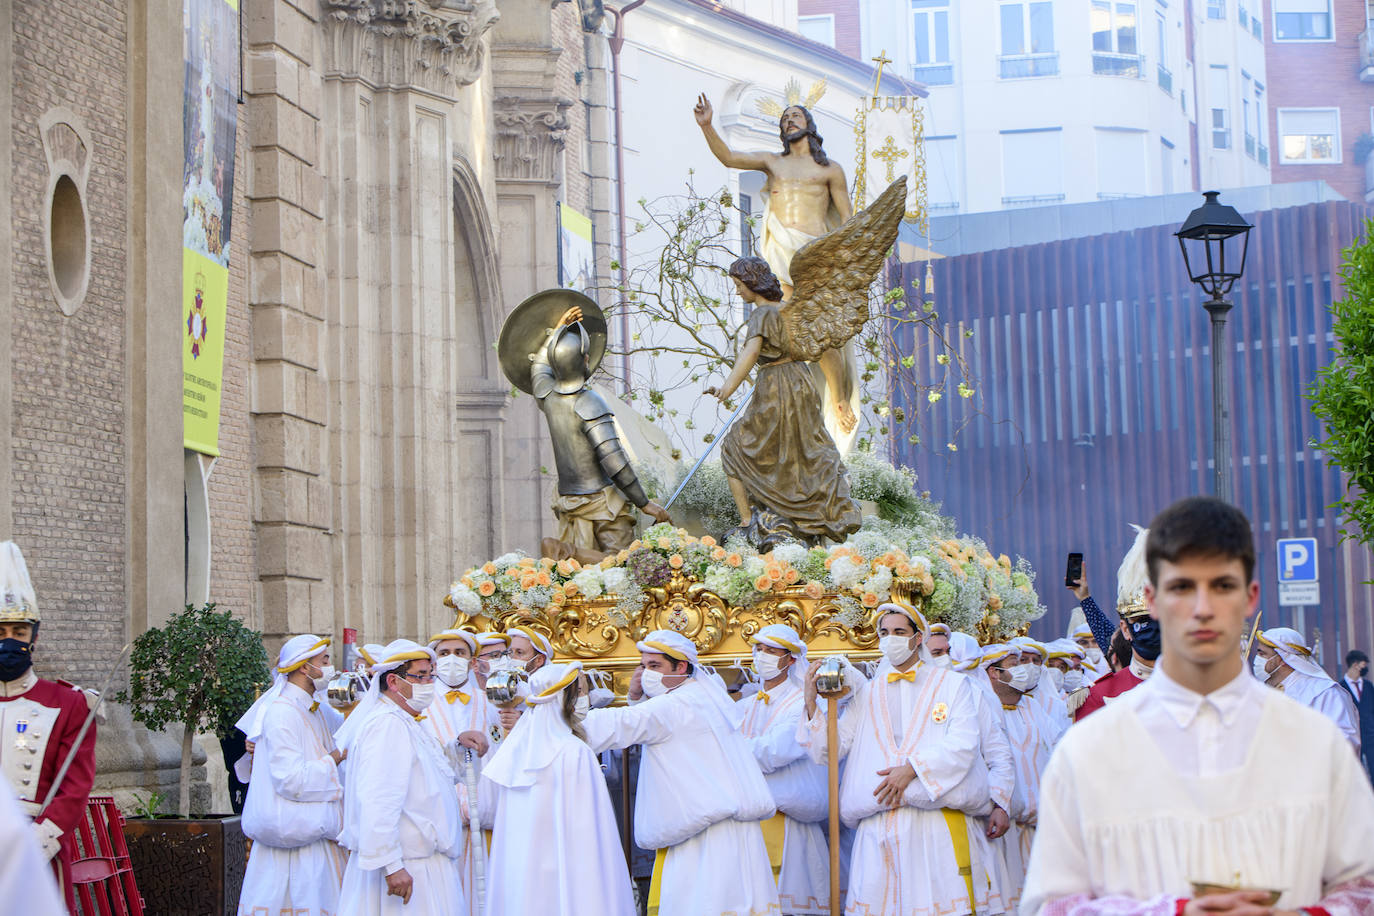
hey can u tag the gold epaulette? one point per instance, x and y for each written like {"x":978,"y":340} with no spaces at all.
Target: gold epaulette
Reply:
{"x":1076,"y":700}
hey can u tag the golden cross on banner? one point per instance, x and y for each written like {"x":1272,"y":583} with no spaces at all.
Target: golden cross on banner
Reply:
{"x":881,"y":60}
{"x":889,"y":153}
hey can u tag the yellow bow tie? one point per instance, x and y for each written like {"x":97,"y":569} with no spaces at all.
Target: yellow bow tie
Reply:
{"x":420,"y":718}
{"x":908,"y":676}
{"x":457,"y":695}
{"x":762,"y":696}
{"x":315,"y":705}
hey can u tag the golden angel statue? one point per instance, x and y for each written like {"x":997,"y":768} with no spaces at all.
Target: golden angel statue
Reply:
{"x":785,"y":472}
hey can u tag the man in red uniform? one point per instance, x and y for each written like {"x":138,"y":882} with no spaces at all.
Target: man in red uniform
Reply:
{"x":39,"y":722}
{"x":1140,"y":628}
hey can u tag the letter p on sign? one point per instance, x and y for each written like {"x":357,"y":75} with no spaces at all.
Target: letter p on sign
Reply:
{"x":1297,"y":560}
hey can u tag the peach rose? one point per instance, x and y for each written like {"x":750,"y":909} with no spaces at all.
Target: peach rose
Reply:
{"x":527,"y":583}
{"x":734,"y":560}
{"x":763,"y":583}
{"x":607,"y":562}
{"x":718,"y":553}
{"x":489,"y":568}
{"x":994,"y":603}
{"x":870,"y":600}
{"x":664,"y":543}
{"x":828,"y":561}
{"x":570,"y":589}
{"x":773,"y":571}
{"x":903,"y":569}
{"x":557,"y":600}
{"x":543,"y":579}
{"x":467,"y":580}
{"x":709,"y":541}
{"x":675,"y":561}
{"x":791,"y":576}
{"x":486,"y":589}
{"x":813,"y":589}
{"x":564,"y":568}
{"x":576,"y":566}
{"x":928,"y":584}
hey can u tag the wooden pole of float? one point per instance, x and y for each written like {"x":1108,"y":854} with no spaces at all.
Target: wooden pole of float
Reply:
{"x":832,"y":760}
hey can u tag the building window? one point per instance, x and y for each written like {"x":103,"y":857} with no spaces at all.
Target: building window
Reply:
{"x":1248,"y":114}
{"x":1218,"y":96}
{"x":1163,"y":74}
{"x":930,"y":42}
{"x":1242,"y":15}
{"x":942,"y":174}
{"x":1309,"y":136}
{"x":1120,"y":164}
{"x":1261,"y":125}
{"x":1302,"y":20}
{"x":1028,"y":40}
{"x":1116,"y":50}
{"x":820,"y":29}
{"x":1032,"y":167}
{"x":1216,"y":9}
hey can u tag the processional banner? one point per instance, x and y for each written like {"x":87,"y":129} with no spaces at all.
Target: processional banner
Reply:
{"x":889,"y":133}
{"x":209,"y":118}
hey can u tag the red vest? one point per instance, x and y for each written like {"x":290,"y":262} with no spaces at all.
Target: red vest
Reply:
{"x":1109,"y":687}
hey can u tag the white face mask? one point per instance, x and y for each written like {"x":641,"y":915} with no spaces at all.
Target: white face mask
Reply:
{"x":421,"y":695}
{"x":1073,"y":680}
{"x":1023,"y":677}
{"x":942,"y":661}
{"x":600,"y":697}
{"x":1260,"y":671}
{"x":766,"y":666}
{"x":896,"y":649}
{"x":582,"y":707}
{"x":651,"y":682}
{"x":452,"y":670}
{"x":322,"y":680}
{"x":1095,"y":655}
{"x":1057,"y":678}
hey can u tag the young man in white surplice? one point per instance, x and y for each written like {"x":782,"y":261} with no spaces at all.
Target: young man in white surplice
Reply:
{"x":701,"y":794}
{"x":555,"y":850}
{"x":294,"y":807}
{"x":401,"y":817}
{"x":913,"y":772}
{"x":795,"y":836}
{"x":1227,"y":783}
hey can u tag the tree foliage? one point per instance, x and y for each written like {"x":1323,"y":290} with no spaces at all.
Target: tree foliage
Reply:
{"x":686,"y":324}
{"x":201,"y":670}
{"x":1343,"y":394}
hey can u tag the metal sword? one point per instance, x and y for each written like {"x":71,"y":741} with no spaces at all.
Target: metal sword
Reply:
{"x":704,"y":455}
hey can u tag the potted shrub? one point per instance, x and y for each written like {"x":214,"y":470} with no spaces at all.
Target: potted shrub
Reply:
{"x":200,"y":671}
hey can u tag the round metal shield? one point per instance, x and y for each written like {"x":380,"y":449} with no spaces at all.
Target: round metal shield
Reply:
{"x":528,"y":325}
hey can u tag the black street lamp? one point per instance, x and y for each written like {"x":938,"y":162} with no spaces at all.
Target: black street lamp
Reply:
{"x":1214,"y":240}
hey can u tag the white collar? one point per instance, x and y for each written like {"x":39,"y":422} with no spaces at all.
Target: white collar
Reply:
{"x":297,"y":695}
{"x":20,"y":686}
{"x":1141,"y":670}
{"x":1183,"y":704}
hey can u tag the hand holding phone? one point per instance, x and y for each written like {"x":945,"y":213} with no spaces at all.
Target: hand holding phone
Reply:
{"x":1073,"y":572}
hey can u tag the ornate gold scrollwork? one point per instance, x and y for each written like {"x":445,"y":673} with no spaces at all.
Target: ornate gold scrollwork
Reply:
{"x":687,"y":607}
{"x":584,"y":629}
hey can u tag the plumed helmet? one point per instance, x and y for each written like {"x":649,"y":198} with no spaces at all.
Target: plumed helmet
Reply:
{"x":18,"y":603}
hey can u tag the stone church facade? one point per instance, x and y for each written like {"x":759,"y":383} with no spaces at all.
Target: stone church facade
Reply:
{"x":398,"y":165}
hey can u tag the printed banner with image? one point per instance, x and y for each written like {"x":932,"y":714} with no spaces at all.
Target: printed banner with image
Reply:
{"x":576,"y":261}
{"x":890,"y":135}
{"x":209,"y":118}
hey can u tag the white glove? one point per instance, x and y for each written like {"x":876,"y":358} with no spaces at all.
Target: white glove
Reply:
{"x":49,"y":837}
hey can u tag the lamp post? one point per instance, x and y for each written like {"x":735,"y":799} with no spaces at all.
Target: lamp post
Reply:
{"x":1215,"y":240}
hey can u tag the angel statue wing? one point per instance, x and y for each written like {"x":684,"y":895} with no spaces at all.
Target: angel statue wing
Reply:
{"x":831,"y":275}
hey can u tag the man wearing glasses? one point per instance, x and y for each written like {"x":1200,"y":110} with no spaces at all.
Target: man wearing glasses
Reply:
{"x":401,"y":815}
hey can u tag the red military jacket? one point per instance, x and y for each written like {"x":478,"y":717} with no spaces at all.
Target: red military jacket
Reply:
{"x":1107,"y":688}
{"x":39,"y":721}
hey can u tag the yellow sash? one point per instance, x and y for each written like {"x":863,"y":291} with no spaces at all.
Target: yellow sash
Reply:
{"x":656,"y":882}
{"x":773,"y":830}
{"x":958,"y":835}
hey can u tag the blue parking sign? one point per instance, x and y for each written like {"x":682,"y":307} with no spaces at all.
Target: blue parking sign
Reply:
{"x":1297,"y":559}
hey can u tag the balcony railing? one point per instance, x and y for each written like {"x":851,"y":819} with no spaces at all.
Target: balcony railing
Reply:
{"x":1367,"y":56}
{"x":1221,"y":138}
{"x":1263,"y":155}
{"x":1166,"y":79}
{"x":1250,"y":145}
{"x":1257,"y":27}
{"x":1244,"y":16}
{"x":1216,"y":9}
{"x":1109,"y":63}
{"x":1021,"y":66}
{"x":934,"y":74}
{"x":1036,"y":200}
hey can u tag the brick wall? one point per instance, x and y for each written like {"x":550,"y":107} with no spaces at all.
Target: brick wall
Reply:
{"x":846,"y":13}
{"x":67,"y":435}
{"x":1322,"y":74}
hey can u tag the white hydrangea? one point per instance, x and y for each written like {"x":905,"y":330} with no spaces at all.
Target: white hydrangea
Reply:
{"x":846,"y":573}
{"x":920,"y":564}
{"x":717,"y":579}
{"x":755,"y":566}
{"x":465,"y":599}
{"x":869,"y":544}
{"x":613,"y":580}
{"x":880,"y":583}
{"x":791,"y":554}
{"x":508,"y":559}
{"x":590,"y":582}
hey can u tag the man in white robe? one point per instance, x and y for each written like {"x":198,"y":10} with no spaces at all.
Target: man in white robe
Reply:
{"x":1094,"y":661}
{"x":910,"y":739}
{"x":795,"y":836}
{"x":1042,"y":688}
{"x":294,"y":807}
{"x":1284,"y":662}
{"x":1200,"y":775}
{"x":1027,"y":731}
{"x":401,"y":817}
{"x":701,"y":794}
{"x":460,"y":715}
{"x":556,"y":848}
{"x":530,"y":650}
